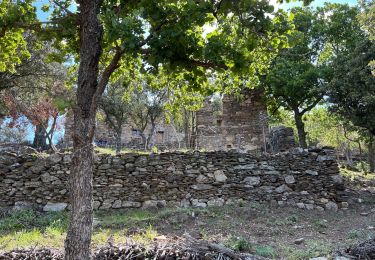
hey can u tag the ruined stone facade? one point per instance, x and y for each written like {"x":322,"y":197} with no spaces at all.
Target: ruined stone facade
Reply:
{"x":242,"y":126}
{"x":309,"y":180}
{"x":165,"y":136}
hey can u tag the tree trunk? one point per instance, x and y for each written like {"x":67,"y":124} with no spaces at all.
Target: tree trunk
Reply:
{"x":300,"y":129}
{"x":371,"y":156}
{"x":144,"y":140}
{"x":150,"y":135}
{"x":186,"y":129}
{"x":78,"y":239}
{"x":40,"y":139}
{"x":118,"y":140}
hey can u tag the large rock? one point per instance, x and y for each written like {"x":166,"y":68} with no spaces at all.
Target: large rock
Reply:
{"x":59,"y":206}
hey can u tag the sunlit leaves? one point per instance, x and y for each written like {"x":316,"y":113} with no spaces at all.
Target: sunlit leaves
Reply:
{"x":13,"y":15}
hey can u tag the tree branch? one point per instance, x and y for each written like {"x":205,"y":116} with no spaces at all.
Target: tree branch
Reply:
{"x":312,"y":105}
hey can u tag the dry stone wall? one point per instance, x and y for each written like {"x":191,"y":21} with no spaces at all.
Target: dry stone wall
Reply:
{"x":300,"y":178}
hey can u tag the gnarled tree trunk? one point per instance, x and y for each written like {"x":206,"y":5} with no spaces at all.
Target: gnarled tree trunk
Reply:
{"x":300,"y":128}
{"x":40,"y":139}
{"x":78,"y":240}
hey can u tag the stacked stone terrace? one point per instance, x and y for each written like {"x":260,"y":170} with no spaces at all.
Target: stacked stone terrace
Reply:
{"x":308,"y":180}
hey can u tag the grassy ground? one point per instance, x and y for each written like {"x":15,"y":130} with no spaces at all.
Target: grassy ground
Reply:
{"x":255,"y":228}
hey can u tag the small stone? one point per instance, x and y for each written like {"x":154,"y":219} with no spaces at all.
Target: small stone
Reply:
{"x":331,"y":206}
{"x":337,"y":179}
{"x":313,"y":173}
{"x":54,"y":158}
{"x":289,"y":179}
{"x":364,"y":214}
{"x":185,"y":203}
{"x":319,"y":258}
{"x":116,"y":204}
{"x":50,"y":206}
{"x":22,"y":205}
{"x":220,"y":176}
{"x":299,"y":241}
{"x":96,"y":204}
{"x":197,"y":204}
{"x":344,"y":204}
{"x":309,"y":206}
{"x":201,"y":179}
{"x":154,"y":204}
{"x":253,"y":181}
{"x":131,"y":204}
{"x":300,"y":205}
{"x":202,"y":187}
{"x":283,"y":188}
{"x":319,"y":208}
{"x":216,"y":202}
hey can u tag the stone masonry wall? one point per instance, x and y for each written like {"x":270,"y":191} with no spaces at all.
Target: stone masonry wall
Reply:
{"x":164,"y":136}
{"x":242,"y":126}
{"x":303,"y":179}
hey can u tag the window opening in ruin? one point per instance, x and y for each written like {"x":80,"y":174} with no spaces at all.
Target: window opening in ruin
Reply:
{"x":218,"y":122}
{"x":160,"y":137}
{"x":136,"y":132}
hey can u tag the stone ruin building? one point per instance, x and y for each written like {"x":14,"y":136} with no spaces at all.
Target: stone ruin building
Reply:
{"x":165,"y":136}
{"x":242,"y":125}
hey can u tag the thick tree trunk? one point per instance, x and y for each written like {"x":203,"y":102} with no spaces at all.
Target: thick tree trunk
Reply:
{"x":40,"y":139}
{"x":118,"y":140}
{"x":78,"y":239}
{"x":300,"y":128}
{"x":371,"y":156}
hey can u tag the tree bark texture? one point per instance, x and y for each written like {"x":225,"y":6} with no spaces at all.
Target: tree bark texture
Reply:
{"x":118,"y":140}
{"x":300,"y":128}
{"x":40,"y":139}
{"x":78,"y":240}
{"x":371,"y":156}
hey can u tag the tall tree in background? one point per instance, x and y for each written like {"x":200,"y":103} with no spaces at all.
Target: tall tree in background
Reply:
{"x":244,"y":40}
{"x":352,"y":90}
{"x":146,"y":108}
{"x":296,"y":79}
{"x":116,"y":108}
{"x":367,"y":20}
